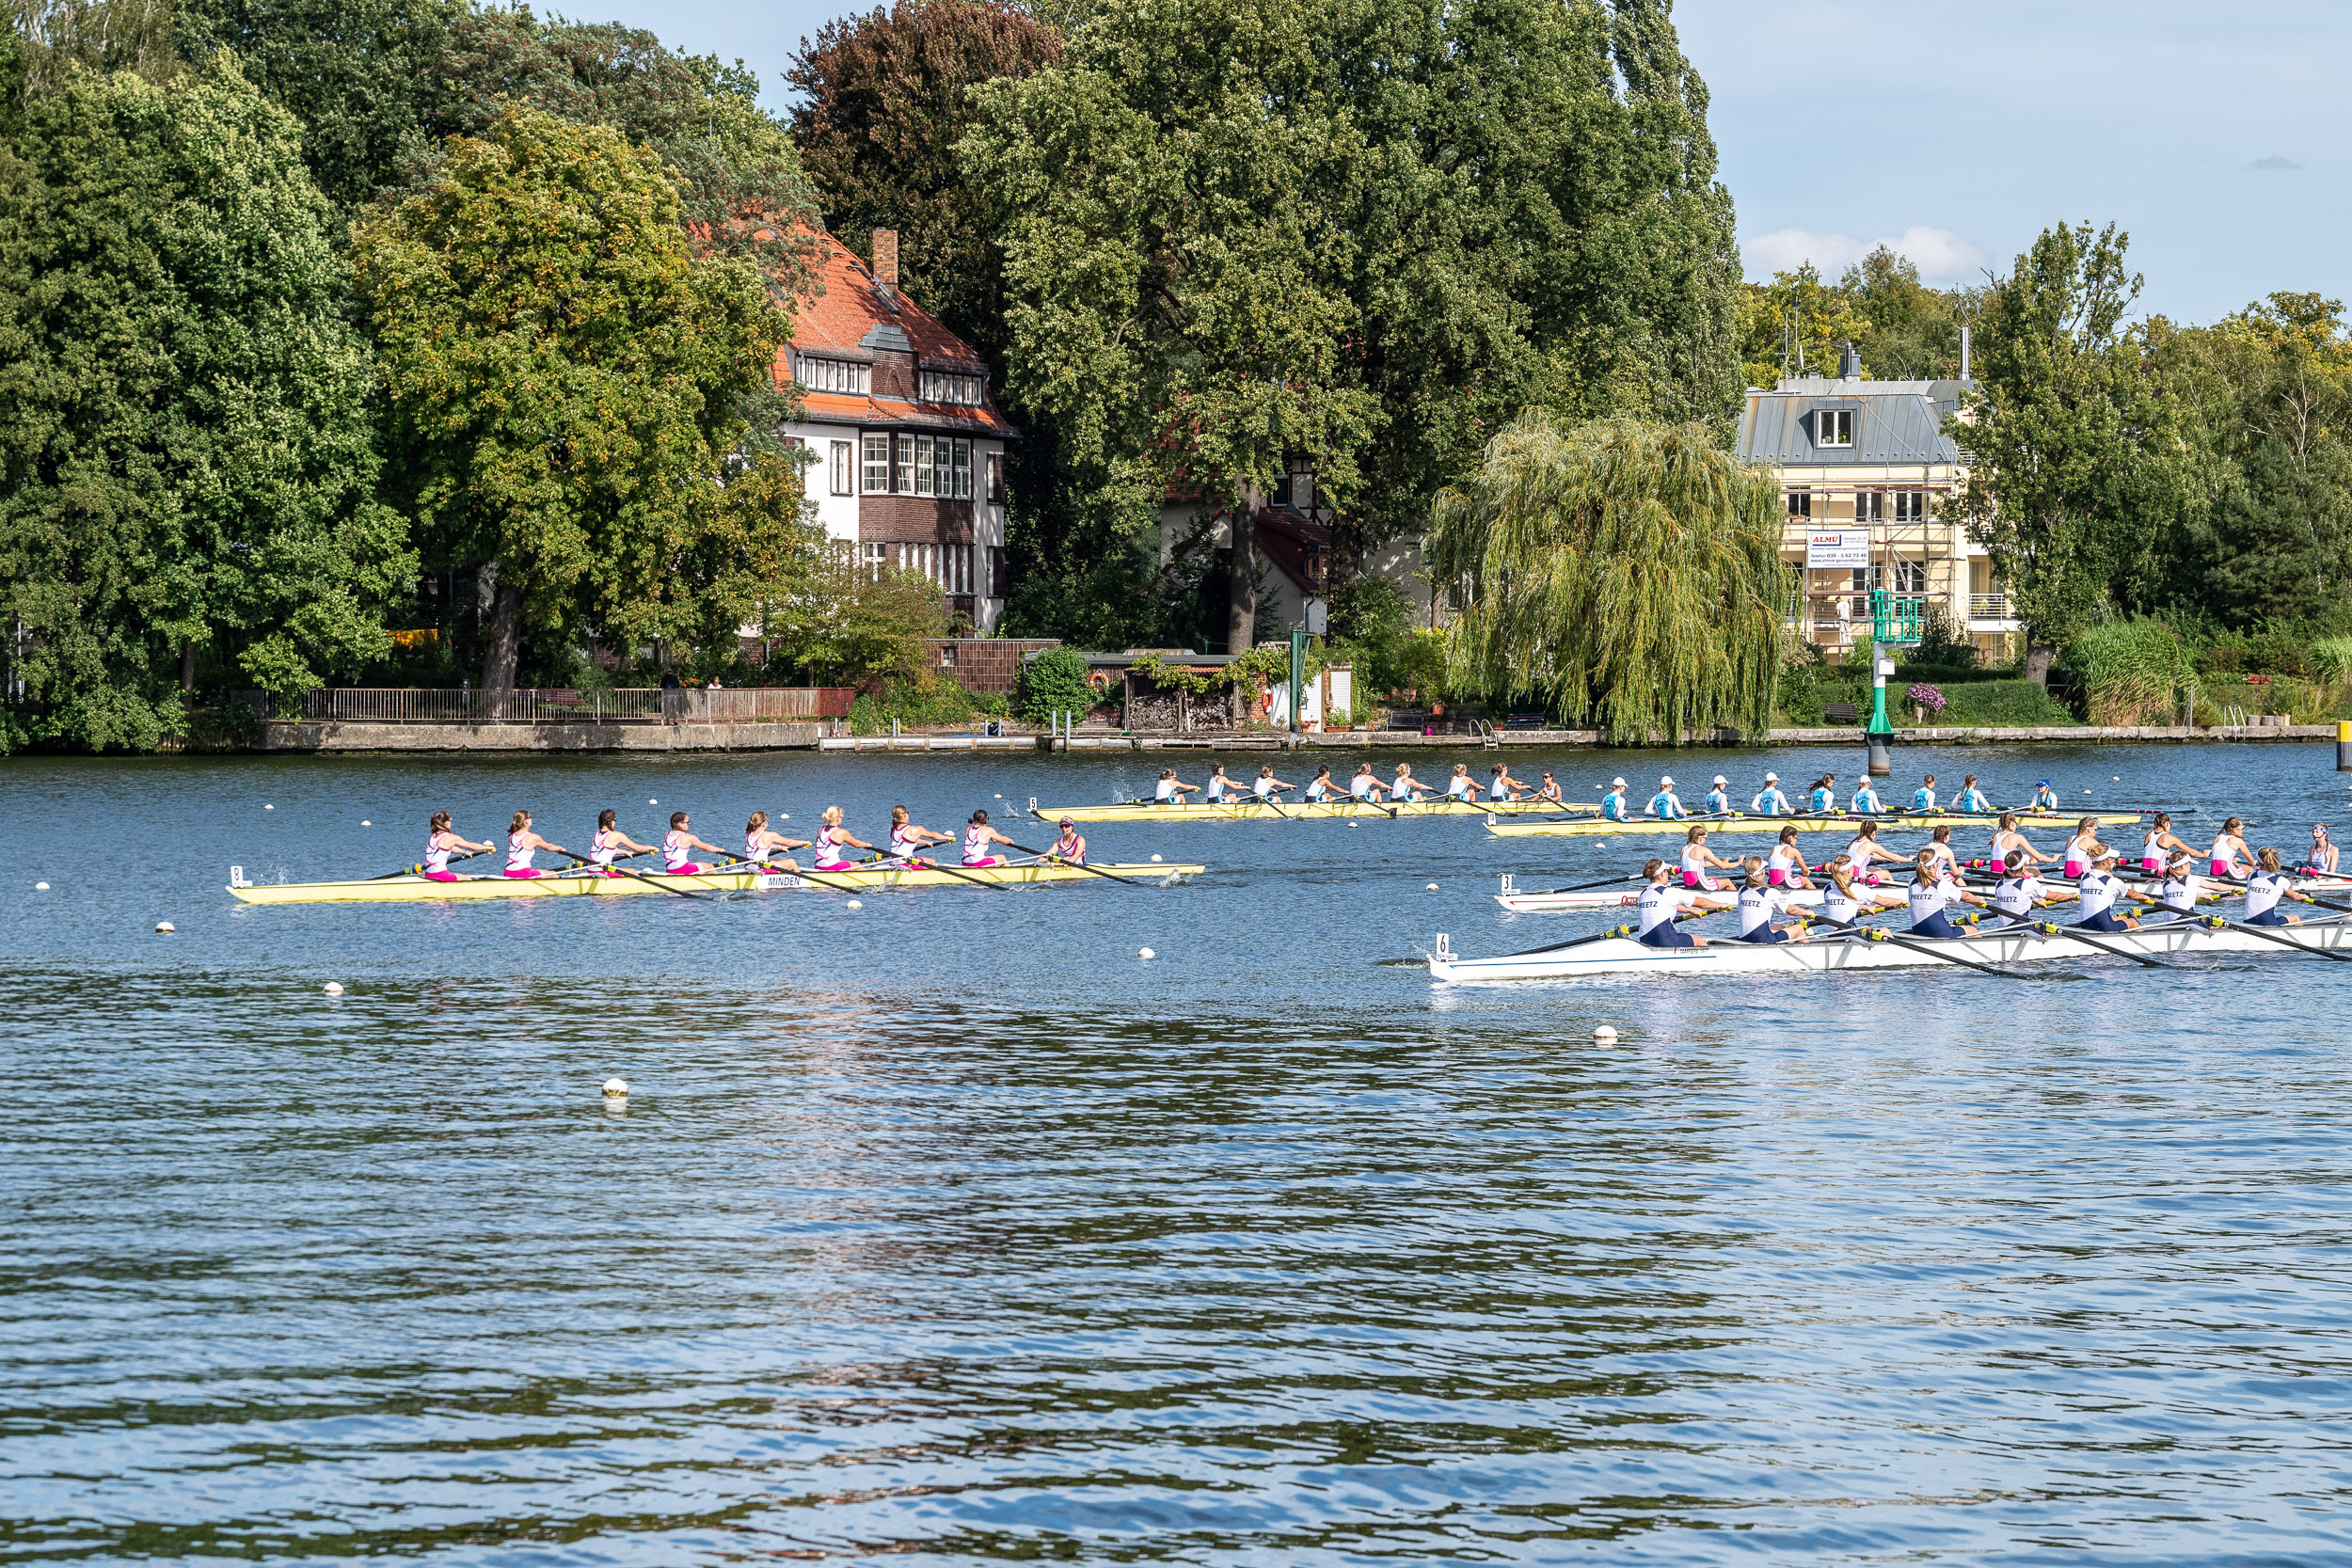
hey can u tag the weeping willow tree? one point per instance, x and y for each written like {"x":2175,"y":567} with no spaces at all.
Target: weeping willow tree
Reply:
{"x":1626,"y":573}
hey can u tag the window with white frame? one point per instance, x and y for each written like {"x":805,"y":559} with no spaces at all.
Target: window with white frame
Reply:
{"x":1869,"y":506}
{"x":872,"y":554}
{"x":821,"y":374}
{"x":1832,"y":427}
{"x":963,"y":470}
{"x":877,"y":465}
{"x":1908,"y":577}
{"x":842,"y":474}
{"x":949,"y":387}
{"x":1909,"y":506}
{"x":903,"y":471}
{"x":1801,"y":503}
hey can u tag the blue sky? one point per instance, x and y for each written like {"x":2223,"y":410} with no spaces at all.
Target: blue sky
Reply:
{"x":2215,"y":134}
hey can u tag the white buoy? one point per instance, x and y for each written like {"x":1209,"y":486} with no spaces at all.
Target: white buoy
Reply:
{"x":857,"y":904}
{"x":1155,"y":859}
{"x":616,"y":1088}
{"x":365,"y":823}
{"x":334,"y":987}
{"x":41,"y":887}
{"x":1145,"y":953}
{"x":1604,"y":1036}
{"x":269,"y":808}
{"x":651,"y":801}
{"x":784,"y":816}
{"x":164,"y":926}
{"x":1433,"y":887}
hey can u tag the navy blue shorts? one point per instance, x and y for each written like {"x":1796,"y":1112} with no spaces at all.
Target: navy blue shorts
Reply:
{"x":2269,"y":917}
{"x":1936,"y":925}
{"x":1663,"y":934}
{"x":1765,"y":933}
{"x":2103,"y":921}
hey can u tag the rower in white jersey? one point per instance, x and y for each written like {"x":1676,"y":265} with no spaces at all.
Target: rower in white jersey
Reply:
{"x":2157,"y":845}
{"x":609,"y":841}
{"x":910,"y":839}
{"x":1501,"y":785}
{"x":2322,"y":856}
{"x":1930,"y":894}
{"x":2084,"y":849}
{"x":1923,"y":798}
{"x":2008,"y":839}
{"x":1220,"y":789}
{"x":1768,"y":800}
{"x":1661,"y":902}
{"x":679,"y":843}
{"x":1461,"y":786}
{"x":1365,"y":784}
{"x":1612,"y":805}
{"x":835,"y":842}
{"x":1665,"y":805}
{"x":1842,"y":902}
{"x":2268,"y":884}
{"x":1406,"y":787}
{"x":1697,"y":859}
{"x":1823,"y":799}
{"x":1266,"y":786}
{"x":1321,"y":788}
{"x":1940,"y":846}
{"x":2099,"y":893}
{"x":521,"y":842}
{"x":2045,"y":797}
{"x":1071,"y":848}
{"x":1785,"y":867}
{"x":1864,"y":851}
{"x":2181,"y":890}
{"x":1547,"y":791}
{"x":1866,"y":799}
{"x":980,"y":839}
{"x":1760,"y":904}
{"x":1718,"y":797}
{"x":1971,"y":800}
{"x":2018,"y":891}
{"x":1170,"y":790}
{"x":762,"y":844}
{"x":441,"y":843}
{"x":2229,"y":859}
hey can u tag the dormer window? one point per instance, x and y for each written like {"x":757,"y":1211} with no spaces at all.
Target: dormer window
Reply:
{"x":1832,"y":427}
{"x":833,"y":376}
{"x":948,"y":387}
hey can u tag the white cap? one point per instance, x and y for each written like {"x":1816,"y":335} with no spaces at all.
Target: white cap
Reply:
{"x":1772,"y":778}
{"x":1666,"y":783}
{"x":1720,"y":778}
{"x":1616,"y":784}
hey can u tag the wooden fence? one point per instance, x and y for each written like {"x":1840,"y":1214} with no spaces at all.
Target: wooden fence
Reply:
{"x":563,"y":706}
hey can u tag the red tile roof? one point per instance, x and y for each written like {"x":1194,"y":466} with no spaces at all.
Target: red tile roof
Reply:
{"x":837,"y":322}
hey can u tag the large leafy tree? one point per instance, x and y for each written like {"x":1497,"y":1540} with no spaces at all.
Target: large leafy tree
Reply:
{"x":563,"y":377}
{"x":2079,"y":468}
{"x":186,"y":459}
{"x":1624,"y":572}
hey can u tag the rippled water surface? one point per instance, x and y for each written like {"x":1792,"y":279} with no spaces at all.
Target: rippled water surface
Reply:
{"x":948,"y":1229}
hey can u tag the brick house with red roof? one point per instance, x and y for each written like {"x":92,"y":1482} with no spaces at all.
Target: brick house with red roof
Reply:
{"x":908,"y":444}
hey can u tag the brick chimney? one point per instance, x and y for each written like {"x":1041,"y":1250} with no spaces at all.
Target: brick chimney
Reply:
{"x":886,"y":259}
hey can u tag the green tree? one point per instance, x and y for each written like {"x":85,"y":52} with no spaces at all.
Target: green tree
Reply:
{"x":842,"y":619}
{"x":1910,"y":332}
{"x":564,"y":376}
{"x":2079,"y":464}
{"x":185,"y":458}
{"x":1627,"y":574}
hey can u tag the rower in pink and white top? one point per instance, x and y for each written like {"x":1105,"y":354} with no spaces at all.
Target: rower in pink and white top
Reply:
{"x":605,"y":846}
{"x":978,"y":837}
{"x":1940,"y":847}
{"x":2008,"y":840}
{"x":2158,"y":846}
{"x":2084,"y":849}
{"x":521,"y":842}
{"x":2230,"y":857}
{"x":1785,"y":867}
{"x":441,"y":843}
{"x":762,"y":843}
{"x":1865,"y":850}
{"x":1697,"y":859}
{"x":833,"y":842}
{"x":909,"y":839}
{"x":680,"y":842}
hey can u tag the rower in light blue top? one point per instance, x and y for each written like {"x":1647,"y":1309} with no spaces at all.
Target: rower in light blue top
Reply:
{"x":2045,"y":797}
{"x":1970,"y":798}
{"x":1923,"y":798}
{"x":1866,"y":800}
{"x":1825,"y":795}
{"x":1665,"y":804}
{"x":1613,"y":806}
{"x":1718,"y":797}
{"x":1770,"y":801}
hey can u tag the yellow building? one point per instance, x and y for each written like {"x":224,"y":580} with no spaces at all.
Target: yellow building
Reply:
{"x":1867,"y":474}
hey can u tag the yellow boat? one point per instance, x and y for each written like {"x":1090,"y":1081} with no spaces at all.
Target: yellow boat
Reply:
{"x":1259,"y":811}
{"x":406,"y":888}
{"x":1924,"y":822}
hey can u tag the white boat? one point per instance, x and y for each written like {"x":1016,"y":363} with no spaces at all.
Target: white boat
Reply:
{"x":1627,"y":893}
{"x":1625,"y":956}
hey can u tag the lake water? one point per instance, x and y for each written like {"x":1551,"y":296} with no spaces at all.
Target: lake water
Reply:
{"x":946,"y":1230}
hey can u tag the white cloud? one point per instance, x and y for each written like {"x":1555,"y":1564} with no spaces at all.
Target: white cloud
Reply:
{"x":1941,"y":256}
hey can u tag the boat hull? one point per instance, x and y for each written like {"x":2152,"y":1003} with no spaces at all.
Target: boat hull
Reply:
{"x":1597,"y":828}
{"x":1624,"y":955}
{"x":1254,"y":811}
{"x":412,"y":890}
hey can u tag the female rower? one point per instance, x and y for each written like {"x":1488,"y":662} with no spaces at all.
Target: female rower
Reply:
{"x":2045,"y":797}
{"x":1613,"y":806}
{"x":1842,"y":903}
{"x":2018,"y":891}
{"x":2229,"y":852}
{"x":2265,"y":888}
{"x":1661,"y":904}
{"x":761,"y":843}
{"x":2158,"y":846}
{"x":2008,"y":840}
{"x":1501,"y":785}
{"x":1071,"y":848}
{"x":1322,"y":788}
{"x":521,"y":842}
{"x":1697,"y":859}
{"x":1768,"y":800}
{"x":1940,"y":846}
{"x":442,"y":842}
{"x":1785,"y":866}
{"x":2084,"y":849}
{"x":1825,"y":795}
{"x":1866,"y":849}
{"x":1759,"y":903}
{"x":1931,"y":896}
{"x":1407,"y":787}
{"x":834,"y":841}
{"x":1923,"y":798}
{"x":1718,"y":797}
{"x":977,"y":838}
{"x":2181,"y":890}
{"x":1172,"y":790}
{"x":1666,"y":805}
{"x":1268,"y":788}
{"x":2100,"y":891}
{"x":1461,"y":786}
{"x":1866,"y":799}
{"x":2323,"y":856}
{"x":605,"y":846}
{"x":1365,"y":784}
{"x":1548,"y":791}
{"x":910,"y":839}
{"x":1970,"y":799}
{"x":679,"y":842}
{"x":1220,"y":789}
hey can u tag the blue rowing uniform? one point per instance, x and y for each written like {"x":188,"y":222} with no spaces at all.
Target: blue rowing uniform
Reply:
{"x":1923,"y":799}
{"x":1613,"y":806}
{"x":1663,"y":803}
{"x":1973,"y":800}
{"x":1866,"y":800}
{"x":1718,"y":803}
{"x":1823,"y":801}
{"x":2264,"y":890}
{"x":1771,"y":803}
{"x":1660,"y":903}
{"x":2097,"y":894}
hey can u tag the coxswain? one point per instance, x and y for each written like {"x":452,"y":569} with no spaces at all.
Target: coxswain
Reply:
{"x":1267,"y":787}
{"x":1865,"y":850}
{"x":1760,"y":904}
{"x":762,"y":843}
{"x":979,"y":838}
{"x":1365,"y":784}
{"x":2009,"y":839}
{"x":1665,"y":805}
{"x":521,"y":842}
{"x":2045,"y":797}
{"x":1220,"y":789}
{"x":1071,"y":848}
{"x":606,"y":844}
{"x":2099,"y":893}
{"x":679,"y":842}
{"x":1661,"y":903}
{"x":1923,"y":798}
{"x":2157,"y":846}
{"x":1322,"y":788}
{"x":1461,"y":786}
{"x":1613,"y":806}
{"x":834,"y":841}
{"x":1931,"y":896}
{"x":1768,"y":800}
{"x":2084,"y":849}
{"x":1697,"y":859}
{"x":1501,"y":785}
{"x":1785,"y":866}
{"x":2230,"y":853}
{"x":1972,"y":800}
{"x":1548,"y":791}
{"x":910,"y":839}
{"x":2268,"y":884}
{"x":1866,"y":800}
{"x":1406,"y":787}
{"x":1718,"y":797}
{"x":1824,"y":800}
{"x":442,"y":842}
{"x":2322,"y":857}
{"x":1172,"y":790}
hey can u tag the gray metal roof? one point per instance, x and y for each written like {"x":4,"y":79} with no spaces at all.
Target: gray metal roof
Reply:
{"x":1895,"y":421}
